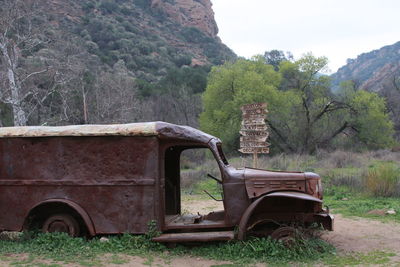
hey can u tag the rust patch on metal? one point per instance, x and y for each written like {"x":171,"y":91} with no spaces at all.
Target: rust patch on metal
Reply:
{"x":261,"y":182}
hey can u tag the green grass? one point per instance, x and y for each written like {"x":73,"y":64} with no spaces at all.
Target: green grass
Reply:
{"x":60,"y":248}
{"x":207,"y":184}
{"x":380,"y":258}
{"x":263,"y":250}
{"x":349,"y":203}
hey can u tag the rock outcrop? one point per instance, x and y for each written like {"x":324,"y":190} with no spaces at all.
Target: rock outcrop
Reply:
{"x":190,"y":13}
{"x":373,"y":70}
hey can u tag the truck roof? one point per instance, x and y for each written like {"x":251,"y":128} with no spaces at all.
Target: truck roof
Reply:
{"x":158,"y":128}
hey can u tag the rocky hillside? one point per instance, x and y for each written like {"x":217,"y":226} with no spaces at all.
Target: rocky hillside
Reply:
{"x":371,"y":71}
{"x":149,"y":36}
{"x":190,"y":13}
{"x":108,"y":61}
{"x":376,"y":71}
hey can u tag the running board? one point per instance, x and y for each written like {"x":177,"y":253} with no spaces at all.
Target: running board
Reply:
{"x":195,"y":237}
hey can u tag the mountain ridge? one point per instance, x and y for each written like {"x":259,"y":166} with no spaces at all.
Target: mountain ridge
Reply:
{"x":371,"y":70}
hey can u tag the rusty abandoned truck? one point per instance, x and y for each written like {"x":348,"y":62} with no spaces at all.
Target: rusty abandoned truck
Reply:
{"x":109,"y":179}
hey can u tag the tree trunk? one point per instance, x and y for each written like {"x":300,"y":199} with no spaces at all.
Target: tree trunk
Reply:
{"x":85,"y":107}
{"x":15,"y":88}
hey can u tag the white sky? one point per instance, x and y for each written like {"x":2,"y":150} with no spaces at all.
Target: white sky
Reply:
{"x":337,"y":29}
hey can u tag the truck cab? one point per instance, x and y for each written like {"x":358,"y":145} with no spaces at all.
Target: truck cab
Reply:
{"x":255,"y":201}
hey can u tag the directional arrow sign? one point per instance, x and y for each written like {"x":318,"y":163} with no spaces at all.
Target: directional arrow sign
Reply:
{"x":254,"y":106}
{"x":254,"y":120}
{"x":248,"y":139}
{"x":258,"y":111}
{"x":257,"y":127}
{"x":253,"y":115}
{"x":254,"y":132}
{"x":254,"y":144}
{"x":252,"y":150}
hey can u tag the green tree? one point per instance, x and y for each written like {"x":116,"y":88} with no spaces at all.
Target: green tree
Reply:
{"x":367,"y":119}
{"x":303,"y":113}
{"x":276,"y":57}
{"x":233,"y":85}
{"x":314,"y":116}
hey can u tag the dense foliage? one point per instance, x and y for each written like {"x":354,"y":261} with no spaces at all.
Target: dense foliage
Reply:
{"x":303,"y":113}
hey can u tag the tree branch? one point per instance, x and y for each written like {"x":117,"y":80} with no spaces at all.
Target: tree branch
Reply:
{"x":34,"y":73}
{"x":336,"y":133}
{"x":330,"y":107}
{"x":280,"y":135}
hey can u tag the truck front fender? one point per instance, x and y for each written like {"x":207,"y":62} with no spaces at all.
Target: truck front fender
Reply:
{"x":249,"y":211}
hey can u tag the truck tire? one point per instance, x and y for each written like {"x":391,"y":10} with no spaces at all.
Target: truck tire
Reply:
{"x":286,"y":234}
{"x":64,"y":223}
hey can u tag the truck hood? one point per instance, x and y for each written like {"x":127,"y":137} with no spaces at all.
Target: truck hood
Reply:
{"x":259,"y":182}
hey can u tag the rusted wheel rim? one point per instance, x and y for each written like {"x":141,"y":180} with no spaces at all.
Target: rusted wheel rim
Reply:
{"x":285,"y":234}
{"x":61,"y":223}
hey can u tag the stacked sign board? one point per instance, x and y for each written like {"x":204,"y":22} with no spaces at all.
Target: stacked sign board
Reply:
{"x":254,"y":132}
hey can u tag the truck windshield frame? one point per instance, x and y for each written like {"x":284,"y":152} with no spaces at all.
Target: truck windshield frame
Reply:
{"x":221,"y":154}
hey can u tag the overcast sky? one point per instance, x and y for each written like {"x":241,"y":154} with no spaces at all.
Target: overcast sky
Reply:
{"x":337,"y":29}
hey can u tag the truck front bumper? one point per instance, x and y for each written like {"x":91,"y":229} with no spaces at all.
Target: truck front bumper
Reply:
{"x":325,"y":219}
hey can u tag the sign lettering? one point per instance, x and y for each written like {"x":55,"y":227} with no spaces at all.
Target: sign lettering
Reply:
{"x":251,"y":150}
{"x":263,"y":132}
{"x":254,"y":138}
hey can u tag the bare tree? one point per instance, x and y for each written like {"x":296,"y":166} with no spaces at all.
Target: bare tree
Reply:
{"x":17,"y":35}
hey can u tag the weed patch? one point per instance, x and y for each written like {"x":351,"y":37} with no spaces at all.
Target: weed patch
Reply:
{"x":383,"y":180}
{"x":59,"y":247}
{"x":262,"y":250}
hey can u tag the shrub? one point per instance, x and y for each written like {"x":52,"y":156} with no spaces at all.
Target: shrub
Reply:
{"x":342,"y":159}
{"x":194,"y":35}
{"x":92,"y":47}
{"x":88,"y":6}
{"x":108,"y":7}
{"x":383,"y":180}
{"x":182,"y":60}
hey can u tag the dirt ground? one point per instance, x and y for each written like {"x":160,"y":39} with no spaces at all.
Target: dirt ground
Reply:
{"x":364,"y":235}
{"x":349,"y":235}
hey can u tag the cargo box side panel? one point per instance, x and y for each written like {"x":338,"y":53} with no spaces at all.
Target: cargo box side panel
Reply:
{"x":112,"y":178}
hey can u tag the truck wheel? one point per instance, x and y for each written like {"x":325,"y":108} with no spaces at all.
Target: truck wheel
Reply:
{"x":286,"y":235}
{"x":64,"y":223}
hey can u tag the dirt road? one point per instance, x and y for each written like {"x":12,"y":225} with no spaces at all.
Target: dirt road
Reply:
{"x":364,"y":235}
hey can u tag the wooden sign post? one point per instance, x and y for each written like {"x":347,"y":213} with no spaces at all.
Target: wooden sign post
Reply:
{"x":254,"y":131}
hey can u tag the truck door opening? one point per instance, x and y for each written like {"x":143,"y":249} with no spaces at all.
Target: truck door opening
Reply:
{"x":192,"y":197}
